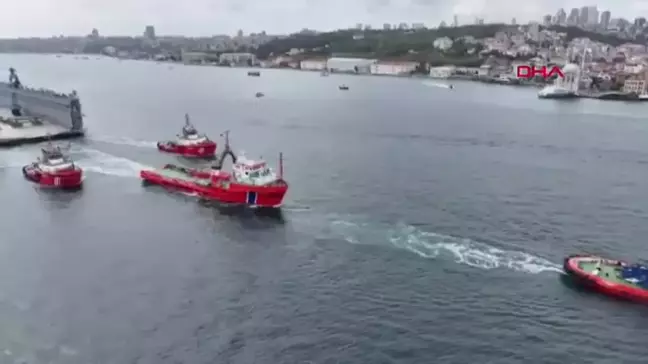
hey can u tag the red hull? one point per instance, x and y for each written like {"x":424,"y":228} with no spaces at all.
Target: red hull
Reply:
{"x":67,"y":179}
{"x":203,"y":150}
{"x":220,"y":189}
{"x":601,"y":285}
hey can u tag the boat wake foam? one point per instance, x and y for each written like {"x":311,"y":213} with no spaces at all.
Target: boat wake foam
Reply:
{"x":92,"y":160}
{"x":436,"y":84}
{"x":125,"y":141}
{"x":432,"y":245}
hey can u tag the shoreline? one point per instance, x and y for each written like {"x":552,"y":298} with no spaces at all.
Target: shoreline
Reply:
{"x":604,"y":96}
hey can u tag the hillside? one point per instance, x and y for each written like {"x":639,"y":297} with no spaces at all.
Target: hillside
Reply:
{"x":414,"y":45}
{"x":576,"y":32}
{"x":378,"y":43}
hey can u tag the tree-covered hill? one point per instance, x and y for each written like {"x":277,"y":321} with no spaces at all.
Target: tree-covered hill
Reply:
{"x":413,"y":44}
{"x":375,"y":43}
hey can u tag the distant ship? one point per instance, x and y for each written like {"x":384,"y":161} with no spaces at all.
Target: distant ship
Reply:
{"x":35,"y":115}
{"x":563,"y":88}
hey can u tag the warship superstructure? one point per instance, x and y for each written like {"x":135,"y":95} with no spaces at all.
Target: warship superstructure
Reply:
{"x":30,"y":115}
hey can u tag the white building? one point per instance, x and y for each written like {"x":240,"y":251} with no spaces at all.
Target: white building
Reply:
{"x":443,"y":44}
{"x":636,"y":86}
{"x":237,"y":58}
{"x":534,"y":31}
{"x":442,"y":72}
{"x":350,"y":65}
{"x":393,"y":68}
{"x":485,"y":70}
{"x":197,"y":57}
{"x":315,"y":64}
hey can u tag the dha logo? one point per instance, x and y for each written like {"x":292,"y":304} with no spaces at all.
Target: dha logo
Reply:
{"x":529,"y":72}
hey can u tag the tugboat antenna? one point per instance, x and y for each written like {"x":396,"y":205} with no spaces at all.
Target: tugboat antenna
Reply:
{"x":281,"y":165}
{"x":226,"y":134}
{"x":187,"y":122}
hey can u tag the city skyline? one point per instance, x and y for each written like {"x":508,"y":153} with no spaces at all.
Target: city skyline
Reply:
{"x":44,"y":18}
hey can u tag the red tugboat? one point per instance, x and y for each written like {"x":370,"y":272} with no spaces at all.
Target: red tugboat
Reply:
{"x":54,"y":170}
{"x":610,"y":277}
{"x":190,"y":143}
{"x":251,"y":183}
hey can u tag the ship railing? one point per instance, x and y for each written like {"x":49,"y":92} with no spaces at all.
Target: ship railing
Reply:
{"x":44,"y":91}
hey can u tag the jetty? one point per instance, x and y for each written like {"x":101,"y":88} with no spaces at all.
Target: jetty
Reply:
{"x":31,"y":115}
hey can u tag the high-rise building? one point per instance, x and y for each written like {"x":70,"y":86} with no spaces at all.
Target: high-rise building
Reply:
{"x":582,"y":16}
{"x":386,"y":26}
{"x":455,"y":22}
{"x":513,"y":21}
{"x":149,"y":32}
{"x":546,"y":20}
{"x":640,"y":22}
{"x":619,"y":24}
{"x":605,"y":19}
{"x":561,"y":17}
{"x":95,"y":33}
{"x":592,"y":16}
{"x":239,"y":34}
{"x":573,"y":17}
{"x":442,"y":25}
{"x":418,"y":26}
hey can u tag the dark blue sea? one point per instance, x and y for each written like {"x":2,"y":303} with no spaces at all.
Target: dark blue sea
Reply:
{"x":422,"y":225}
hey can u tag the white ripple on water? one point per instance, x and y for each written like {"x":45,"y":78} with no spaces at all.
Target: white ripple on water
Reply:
{"x":96,"y":161}
{"x":91,"y":160}
{"x":432,"y":245}
{"x":126,"y":141}
{"x":436,"y":84}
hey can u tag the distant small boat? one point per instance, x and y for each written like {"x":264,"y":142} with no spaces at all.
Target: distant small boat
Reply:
{"x":259,"y":94}
{"x":254,"y":73}
{"x":324,"y":73}
{"x":344,"y":87}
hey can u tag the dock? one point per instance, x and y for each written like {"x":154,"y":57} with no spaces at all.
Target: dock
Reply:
{"x":15,"y":131}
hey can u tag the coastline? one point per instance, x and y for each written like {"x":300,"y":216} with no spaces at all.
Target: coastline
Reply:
{"x":604,"y":96}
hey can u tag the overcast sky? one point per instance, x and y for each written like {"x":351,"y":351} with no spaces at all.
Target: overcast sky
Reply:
{"x":209,"y":17}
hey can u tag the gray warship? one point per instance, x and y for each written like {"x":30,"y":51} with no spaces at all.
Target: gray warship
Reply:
{"x":30,"y":115}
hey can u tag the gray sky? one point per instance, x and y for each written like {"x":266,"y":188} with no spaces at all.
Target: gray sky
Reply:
{"x":209,"y":17}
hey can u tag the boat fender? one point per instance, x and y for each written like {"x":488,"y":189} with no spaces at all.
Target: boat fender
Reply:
{"x":32,"y":176}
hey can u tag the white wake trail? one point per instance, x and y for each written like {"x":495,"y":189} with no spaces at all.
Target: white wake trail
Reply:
{"x":432,"y":245}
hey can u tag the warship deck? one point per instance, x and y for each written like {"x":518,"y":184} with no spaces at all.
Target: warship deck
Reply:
{"x":17,"y":131}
